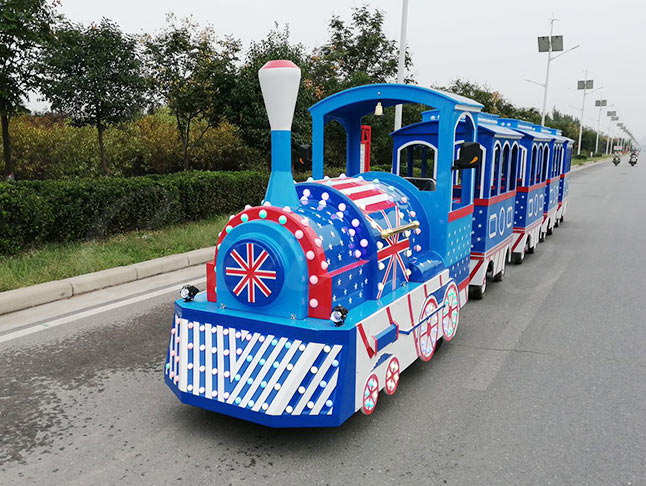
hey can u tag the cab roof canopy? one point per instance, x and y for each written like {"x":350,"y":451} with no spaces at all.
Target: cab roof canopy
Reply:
{"x":349,"y":106}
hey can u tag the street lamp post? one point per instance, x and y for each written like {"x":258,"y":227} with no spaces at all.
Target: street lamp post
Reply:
{"x":612,"y":136}
{"x":549,"y":44}
{"x":402,"y":61}
{"x":585,"y":85}
{"x":600,"y":104}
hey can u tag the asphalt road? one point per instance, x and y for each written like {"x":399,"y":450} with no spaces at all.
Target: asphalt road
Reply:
{"x":545,"y":383}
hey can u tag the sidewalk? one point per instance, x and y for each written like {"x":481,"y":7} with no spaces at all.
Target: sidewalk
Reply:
{"x":26,"y":297}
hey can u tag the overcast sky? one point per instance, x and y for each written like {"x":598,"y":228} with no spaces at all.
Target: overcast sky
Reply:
{"x":492,"y":42}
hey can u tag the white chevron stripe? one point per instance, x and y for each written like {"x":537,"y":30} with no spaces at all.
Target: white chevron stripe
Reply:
{"x":276,"y":375}
{"x":301,"y":368}
{"x":240,"y":361}
{"x":331,"y":385}
{"x":220,"y":355}
{"x":208,"y":358}
{"x":233,"y":355}
{"x":366,"y":201}
{"x":250,"y":368}
{"x":263,"y":372}
{"x":196,"y":358}
{"x":325,"y":366}
{"x":183,"y":354}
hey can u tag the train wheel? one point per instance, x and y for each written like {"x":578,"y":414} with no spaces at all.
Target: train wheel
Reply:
{"x":392,"y":376}
{"x":531,"y":249}
{"x":370,"y":395}
{"x":426,"y":334}
{"x":517,"y":258}
{"x":550,"y":230}
{"x":500,"y":276}
{"x":478,"y":291}
{"x":451,"y":312}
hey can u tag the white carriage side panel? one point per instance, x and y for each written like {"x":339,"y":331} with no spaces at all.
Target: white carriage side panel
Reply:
{"x":403,"y":348}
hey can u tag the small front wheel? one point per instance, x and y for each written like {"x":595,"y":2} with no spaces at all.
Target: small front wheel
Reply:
{"x":370,"y":395}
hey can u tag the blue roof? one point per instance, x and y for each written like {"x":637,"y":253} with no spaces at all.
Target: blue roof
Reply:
{"x":541,"y":137}
{"x":361,"y":100}
{"x":498,"y":131}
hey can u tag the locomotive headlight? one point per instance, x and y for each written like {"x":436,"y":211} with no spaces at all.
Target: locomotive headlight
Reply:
{"x":188,"y":292}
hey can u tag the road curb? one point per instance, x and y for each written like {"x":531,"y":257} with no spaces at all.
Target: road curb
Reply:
{"x":26,"y":297}
{"x":590,"y":164}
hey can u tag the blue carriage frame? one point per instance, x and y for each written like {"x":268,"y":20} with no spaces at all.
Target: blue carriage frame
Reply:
{"x":449,"y":243}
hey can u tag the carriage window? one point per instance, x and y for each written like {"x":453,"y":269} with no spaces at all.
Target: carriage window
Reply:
{"x":478,"y":180}
{"x":417,"y":165}
{"x":495,"y":176}
{"x":504,"y":179}
{"x":532,"y":169}
{"x":546,"y":161}
{"x":539,"y":165}
{"x":513,"y":169}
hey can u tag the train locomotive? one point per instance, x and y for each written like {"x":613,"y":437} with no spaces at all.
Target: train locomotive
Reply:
{"x":319,"y":298}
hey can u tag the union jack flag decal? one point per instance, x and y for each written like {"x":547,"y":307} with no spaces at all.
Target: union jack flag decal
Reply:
{"x":393,"y":255}
{"x":251,"y":273}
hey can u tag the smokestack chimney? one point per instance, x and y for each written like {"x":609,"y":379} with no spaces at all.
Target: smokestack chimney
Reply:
{"x":279,"y":81}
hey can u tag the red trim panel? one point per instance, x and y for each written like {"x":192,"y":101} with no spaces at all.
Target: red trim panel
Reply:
{"x":461,"y":213}
{"x":531,"y":188}
{"x":495,"y":199}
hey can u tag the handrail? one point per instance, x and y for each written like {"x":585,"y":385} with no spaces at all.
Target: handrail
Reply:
{"x":399,"y":229}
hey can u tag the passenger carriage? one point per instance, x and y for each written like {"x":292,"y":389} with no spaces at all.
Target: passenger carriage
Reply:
{"x":564,"y":179}
{"x":530,"y":187}
{"x":319,"y":298}
{"x":492,"y":234}
{"x":552,"y":178}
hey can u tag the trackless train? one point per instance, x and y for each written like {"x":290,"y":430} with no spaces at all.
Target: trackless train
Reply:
{"x":319,"y":298}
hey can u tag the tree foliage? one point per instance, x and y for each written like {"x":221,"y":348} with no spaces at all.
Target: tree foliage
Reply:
{"x":358,"y":52}
{"x":247,"y":108}
{"x":194,"y":74}
{"x":94,"y":75}
{"x":24,"y":28}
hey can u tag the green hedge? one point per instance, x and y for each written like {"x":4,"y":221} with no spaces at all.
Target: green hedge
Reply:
{"x":36,"y":212}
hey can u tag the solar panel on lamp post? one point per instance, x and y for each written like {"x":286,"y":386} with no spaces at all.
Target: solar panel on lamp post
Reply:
{"x":549,"y":44}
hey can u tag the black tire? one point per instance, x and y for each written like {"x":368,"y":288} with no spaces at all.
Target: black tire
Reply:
{"x":517,"y":258}
{"x":531,"y":249}
{"x":500,"y":276}
{"x":478,"y":291}
{"x":550,"y":231}
{"x":541,"y":238}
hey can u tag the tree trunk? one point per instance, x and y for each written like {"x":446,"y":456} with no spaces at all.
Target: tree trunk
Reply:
{"x":6,"y":148}
{"x":186,"y":143}
{"x":104,"y":163}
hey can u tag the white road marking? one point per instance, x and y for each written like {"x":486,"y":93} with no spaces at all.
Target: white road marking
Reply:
{"x":98,"y":310}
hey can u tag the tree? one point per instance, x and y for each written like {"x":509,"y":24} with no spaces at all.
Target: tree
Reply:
{"x":246,"y":107}
{"x":24,"y":27}
{"x":359,"y":52}
{"x":194,"y":73}
{"x":94,"y":75}
{"x":493,"y":101}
